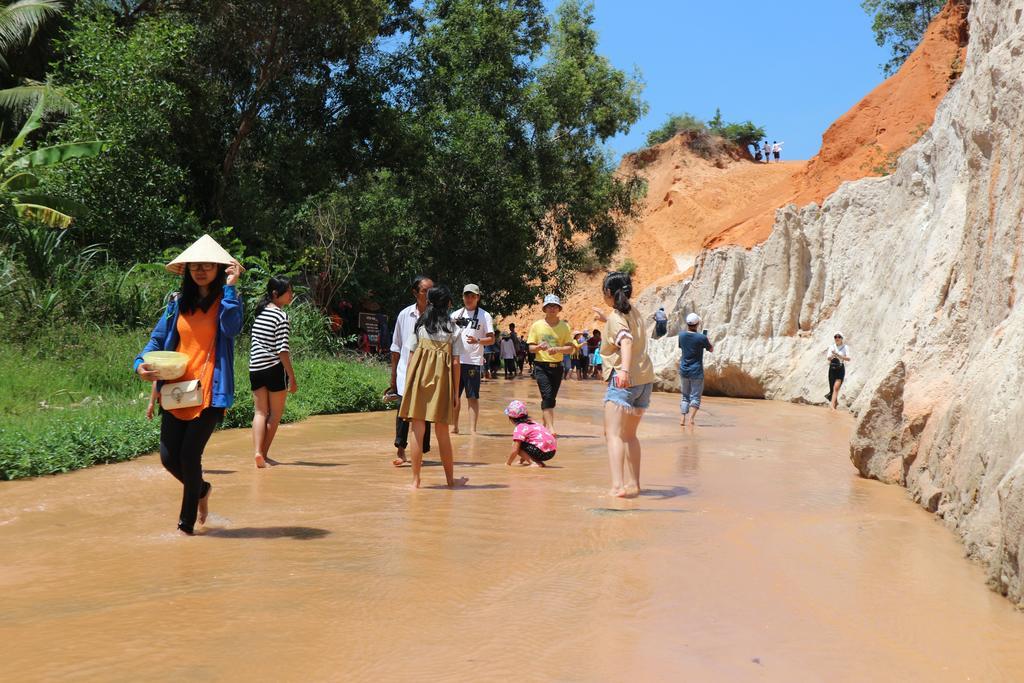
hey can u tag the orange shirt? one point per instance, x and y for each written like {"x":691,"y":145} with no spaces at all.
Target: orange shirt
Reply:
{"x":197,"y":337}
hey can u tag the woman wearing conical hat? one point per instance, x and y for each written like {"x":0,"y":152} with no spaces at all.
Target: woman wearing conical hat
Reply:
{"x":201,"y":321}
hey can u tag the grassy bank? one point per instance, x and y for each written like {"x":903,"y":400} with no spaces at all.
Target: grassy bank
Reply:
{"x":71,"y":402}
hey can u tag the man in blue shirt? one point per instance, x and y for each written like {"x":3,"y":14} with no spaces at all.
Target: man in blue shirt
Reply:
{"x":691,"y":368}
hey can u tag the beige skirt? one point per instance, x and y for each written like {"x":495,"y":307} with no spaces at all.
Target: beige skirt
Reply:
{"x":429,"y":392}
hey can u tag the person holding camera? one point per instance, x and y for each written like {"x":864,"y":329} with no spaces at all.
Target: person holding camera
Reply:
{"x":691,"y":368}
{"x":838,"y":356}
{"x":475,"y":328}
{"x":400,"y":352}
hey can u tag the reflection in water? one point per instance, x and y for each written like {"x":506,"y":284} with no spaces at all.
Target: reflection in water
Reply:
{"x":755,"y":553}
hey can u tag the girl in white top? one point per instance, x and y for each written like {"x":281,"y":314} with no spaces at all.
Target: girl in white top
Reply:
{"x":432,"y":382}
{"x":838,"y":356}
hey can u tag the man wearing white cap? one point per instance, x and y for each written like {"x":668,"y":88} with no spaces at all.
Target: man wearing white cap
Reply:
{"x":476,"y":327}
{"x":691,"y":368}
{"x":551,"y":339}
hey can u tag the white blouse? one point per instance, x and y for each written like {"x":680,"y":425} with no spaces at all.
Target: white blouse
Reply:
{"x":453,"y":338}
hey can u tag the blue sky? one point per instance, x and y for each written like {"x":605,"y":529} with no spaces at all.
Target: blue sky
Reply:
{"x":792,"y":66}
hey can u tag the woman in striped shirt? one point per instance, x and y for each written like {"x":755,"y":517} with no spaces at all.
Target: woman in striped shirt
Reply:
{"x":270,"y":366}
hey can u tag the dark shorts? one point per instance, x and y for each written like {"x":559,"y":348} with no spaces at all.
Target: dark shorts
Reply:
{"x":835,"y":372}
{"x":777,"y":154}
{"x":469,"y":381}
{"x":272,"y":379}
{"x":535,"y":452}
{"x":549,"y":380}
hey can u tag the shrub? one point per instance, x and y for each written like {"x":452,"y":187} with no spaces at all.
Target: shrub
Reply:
{"x":677,"y":123}
{"x":628,"y":267}
{"x":742,"y":134}
{"x":69,"y":400}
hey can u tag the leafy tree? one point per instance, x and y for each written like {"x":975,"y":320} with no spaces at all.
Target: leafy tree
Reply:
{"x":507,"y":172}
{"x":127,"y":88}
{"x":900,"y":25}
{"x":743,"y":134}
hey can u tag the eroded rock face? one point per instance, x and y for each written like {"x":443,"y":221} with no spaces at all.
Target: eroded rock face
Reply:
{"x":922,"y":270}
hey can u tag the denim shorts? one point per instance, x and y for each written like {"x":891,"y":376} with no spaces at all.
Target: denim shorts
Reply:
{"x":633,"y":398}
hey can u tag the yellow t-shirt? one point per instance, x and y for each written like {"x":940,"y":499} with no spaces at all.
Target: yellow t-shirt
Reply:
{"x":641,"y":369}
{"x":559,"y":335}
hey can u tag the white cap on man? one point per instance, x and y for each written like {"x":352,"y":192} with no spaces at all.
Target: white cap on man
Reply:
{"x":552,"y":300}
{"x":471,"y":289}
{"x":693,"y":319}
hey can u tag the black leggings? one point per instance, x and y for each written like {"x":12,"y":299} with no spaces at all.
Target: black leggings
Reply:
{"x":510,"y":367}
{"x":402,"y":435}
{"x":181,"y":451}
{"x":549,"y":380}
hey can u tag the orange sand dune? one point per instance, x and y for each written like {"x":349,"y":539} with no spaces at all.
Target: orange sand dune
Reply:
{"x":694,"y":203}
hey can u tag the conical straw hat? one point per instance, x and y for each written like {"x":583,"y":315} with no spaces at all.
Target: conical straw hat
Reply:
{"x":203,"y":250}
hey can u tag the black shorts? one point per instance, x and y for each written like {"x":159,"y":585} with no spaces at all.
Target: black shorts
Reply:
{"x":835,"y":372}
{"x":273,"y":378}
{"x":535,"y":452}
{"x":469,"y":381}
{"x":549,"y":380}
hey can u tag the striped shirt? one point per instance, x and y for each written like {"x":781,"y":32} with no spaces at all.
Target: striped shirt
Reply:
{"x":269,"y":338}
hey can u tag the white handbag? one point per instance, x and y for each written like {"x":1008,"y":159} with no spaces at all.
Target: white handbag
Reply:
{"x":187,"y":394}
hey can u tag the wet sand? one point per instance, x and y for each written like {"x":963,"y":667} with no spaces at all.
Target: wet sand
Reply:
{"x":755,"y":554}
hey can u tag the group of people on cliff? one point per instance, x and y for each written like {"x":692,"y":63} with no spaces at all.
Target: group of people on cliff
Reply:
{"x":437,"y":355}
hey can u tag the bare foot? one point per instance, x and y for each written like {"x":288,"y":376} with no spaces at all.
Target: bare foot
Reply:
{"x":615,"y":492}
{"x":682,"y":422}
{"x":204,"y":504}
{"x":628,"y":492}
{"x":458,"y":481}
{"x":455,"y":430}
{"x":261,"y":462}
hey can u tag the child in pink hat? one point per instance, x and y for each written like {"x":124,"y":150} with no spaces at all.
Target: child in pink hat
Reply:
{"x":532,"y":443}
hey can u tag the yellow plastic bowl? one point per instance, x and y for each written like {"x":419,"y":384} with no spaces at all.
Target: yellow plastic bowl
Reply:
{"x":167,"y":364}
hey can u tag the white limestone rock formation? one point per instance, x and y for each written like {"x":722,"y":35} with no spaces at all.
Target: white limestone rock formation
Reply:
{"x":923,"y":271}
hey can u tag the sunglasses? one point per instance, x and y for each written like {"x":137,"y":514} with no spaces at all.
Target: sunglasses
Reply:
{"x":197,"y":267}
{"x":837,"y":337}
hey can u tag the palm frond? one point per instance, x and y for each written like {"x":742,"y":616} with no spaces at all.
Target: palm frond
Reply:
{"x":22,"y":19}
{"x":43,"y":214}
{"x":23,"y":98}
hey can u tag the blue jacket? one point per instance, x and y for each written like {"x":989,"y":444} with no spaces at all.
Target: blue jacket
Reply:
{"x":165,"y":338}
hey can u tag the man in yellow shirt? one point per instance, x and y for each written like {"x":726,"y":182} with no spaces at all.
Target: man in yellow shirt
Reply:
{"x":550,"y":338}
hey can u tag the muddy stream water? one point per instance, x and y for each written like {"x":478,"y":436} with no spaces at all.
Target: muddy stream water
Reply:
{"x":755,"y":553}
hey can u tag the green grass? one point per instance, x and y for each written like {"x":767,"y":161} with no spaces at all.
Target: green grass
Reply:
{"x":71,"y":400}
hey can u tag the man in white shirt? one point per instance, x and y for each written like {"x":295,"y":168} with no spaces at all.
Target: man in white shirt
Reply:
{"x":476,"y":327}
{"x":404,"y":324}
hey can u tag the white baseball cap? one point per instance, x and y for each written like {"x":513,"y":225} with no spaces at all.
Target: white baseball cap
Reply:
{"x":551,"y":300}
{"x":471,"y":289}
{"x":693,"y":319}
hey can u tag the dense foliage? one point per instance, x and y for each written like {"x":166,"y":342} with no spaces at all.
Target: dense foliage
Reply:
{"x":742,"y":134}
{"x":354,"y":142}
{"x":900,"y":25}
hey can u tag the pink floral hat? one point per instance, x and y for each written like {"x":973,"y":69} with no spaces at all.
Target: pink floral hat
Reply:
{"x":516,"y":409}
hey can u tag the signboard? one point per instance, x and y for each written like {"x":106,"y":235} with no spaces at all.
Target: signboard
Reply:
{"x":375,"y":325}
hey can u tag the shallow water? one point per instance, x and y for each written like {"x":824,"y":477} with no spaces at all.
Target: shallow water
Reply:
{"x":755,"y":554}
